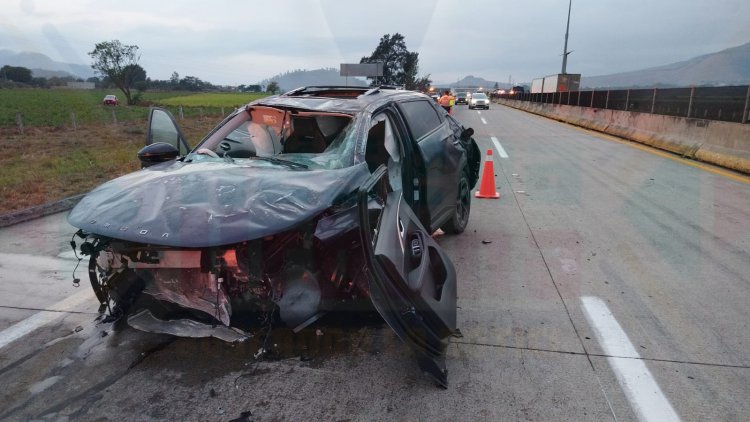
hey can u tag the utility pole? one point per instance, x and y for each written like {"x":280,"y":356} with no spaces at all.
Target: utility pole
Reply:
{"x":565,"y":49}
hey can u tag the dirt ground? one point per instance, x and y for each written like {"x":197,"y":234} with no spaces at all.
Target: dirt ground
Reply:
{"x":48,"y":164}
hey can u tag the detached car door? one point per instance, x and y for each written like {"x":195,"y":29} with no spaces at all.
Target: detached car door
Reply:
{"x":412,"y":281}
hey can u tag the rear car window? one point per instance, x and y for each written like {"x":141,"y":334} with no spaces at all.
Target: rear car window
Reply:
{"x":421,"y":117}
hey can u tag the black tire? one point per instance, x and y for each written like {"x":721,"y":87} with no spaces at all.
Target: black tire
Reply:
{"x":460,"y":218}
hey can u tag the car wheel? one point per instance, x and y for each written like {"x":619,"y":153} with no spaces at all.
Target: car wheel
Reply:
{"x":460,"y":218}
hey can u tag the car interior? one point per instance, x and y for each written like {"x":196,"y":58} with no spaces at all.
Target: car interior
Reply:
{"x":306,"y":136}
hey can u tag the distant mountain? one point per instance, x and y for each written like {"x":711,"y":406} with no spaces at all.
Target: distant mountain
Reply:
{"x":727,"y":67}
{"x":473,"y":82}
{"x":295,"y":79}
{"x":43,"y":66}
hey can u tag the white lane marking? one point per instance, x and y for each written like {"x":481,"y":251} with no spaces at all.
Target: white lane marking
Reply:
{"x":644,"y":394}
{"x":484,"y":121}
{"x":500,"y":151}
{"x":22,"y":328}
{"x":479,"y":112}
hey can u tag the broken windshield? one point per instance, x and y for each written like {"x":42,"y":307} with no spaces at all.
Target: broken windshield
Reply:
{"x":313,"y":139}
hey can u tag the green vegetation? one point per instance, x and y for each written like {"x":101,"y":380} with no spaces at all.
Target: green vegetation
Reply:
{"x":212,"y":99}
{"x":44,"y":107}
{"x":119,"y":63}
{"x":44,"y":166}
{"x":50,"y":161}
{"x":56,"y":107}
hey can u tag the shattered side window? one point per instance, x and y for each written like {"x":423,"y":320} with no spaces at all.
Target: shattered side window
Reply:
{"x":384,"y":148}
{"x":341,"y":143}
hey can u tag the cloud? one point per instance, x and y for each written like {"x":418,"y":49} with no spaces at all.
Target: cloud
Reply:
{"x":233,"y":42}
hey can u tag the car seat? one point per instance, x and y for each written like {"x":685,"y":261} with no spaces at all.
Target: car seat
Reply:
{"x":306,"y":136}
{"x":375,"y":151}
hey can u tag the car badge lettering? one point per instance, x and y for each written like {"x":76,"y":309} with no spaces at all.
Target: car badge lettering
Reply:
{"x":143,"y":232}
{"x":124,"y":228}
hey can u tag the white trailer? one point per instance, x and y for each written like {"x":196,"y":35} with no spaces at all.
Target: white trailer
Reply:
{"x":562,"y":82}
{"x":550,"y":84}
{"x":537,"y":85}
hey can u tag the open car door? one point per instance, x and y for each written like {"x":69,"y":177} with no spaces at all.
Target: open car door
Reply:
{"x":164,"y":139}
{"x":162,"y":127}
{"x":412,"y":281}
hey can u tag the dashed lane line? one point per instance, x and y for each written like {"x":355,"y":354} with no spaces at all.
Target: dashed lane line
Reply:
{"x":640,"y":387}
{"x":500,"y":150}
{"x":40,"y":319}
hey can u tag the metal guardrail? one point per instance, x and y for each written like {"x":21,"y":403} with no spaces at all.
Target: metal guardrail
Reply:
{"x":725,"y":103}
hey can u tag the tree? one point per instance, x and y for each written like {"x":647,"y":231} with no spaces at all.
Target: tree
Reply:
{"x":192,"y":83}
{"x":116,"y":61}
{"x":16,"y":74}
{"x":400,"y":66}
{"x":134,"y":73}
{"x":175,"y":80}
{"x":422,"y":84}
{"x":272,"y":87}
{"x":249,"y":88}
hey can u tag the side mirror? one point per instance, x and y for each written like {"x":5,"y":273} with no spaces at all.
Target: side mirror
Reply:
{"x":155,"y":153}
{"x":467,"y":134}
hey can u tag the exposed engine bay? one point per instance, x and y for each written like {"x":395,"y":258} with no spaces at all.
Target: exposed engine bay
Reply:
{"x":301,"y":274}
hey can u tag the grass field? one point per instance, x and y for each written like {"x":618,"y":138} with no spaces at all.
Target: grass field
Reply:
{"x":45,"y":166}
{"x":59,"y":107}
{"x":51,"y":161}
{"x":211,"y":99}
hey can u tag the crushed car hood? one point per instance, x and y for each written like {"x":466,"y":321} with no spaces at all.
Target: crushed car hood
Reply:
{"x":204,"y":204}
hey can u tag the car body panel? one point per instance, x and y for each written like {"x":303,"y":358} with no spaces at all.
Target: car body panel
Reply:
{"x":110,"y":100}
{"x":191,"y":242}
{"x":479,"y":100}
{"x":412,"y":281}
{"x":162,"y":127}
{"x":210,"y":203}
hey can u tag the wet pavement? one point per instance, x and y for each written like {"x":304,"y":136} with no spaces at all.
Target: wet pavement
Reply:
{"x":662,"y":245}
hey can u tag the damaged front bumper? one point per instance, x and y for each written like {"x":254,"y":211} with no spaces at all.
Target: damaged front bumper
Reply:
{"x":301,"y":274}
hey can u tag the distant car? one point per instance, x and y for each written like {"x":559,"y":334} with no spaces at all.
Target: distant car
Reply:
{"x":479,"y":100}
{"x":517,"y":90}
{"x":110,"y":100}
{"x":461,"y":98}
{"x":435,"y":97}
{"x":317,"y":200}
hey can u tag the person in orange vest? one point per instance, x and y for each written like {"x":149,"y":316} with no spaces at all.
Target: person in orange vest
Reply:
{"x":447,"y":101}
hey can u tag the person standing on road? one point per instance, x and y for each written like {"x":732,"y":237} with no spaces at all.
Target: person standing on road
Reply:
{"x":447,"y":101}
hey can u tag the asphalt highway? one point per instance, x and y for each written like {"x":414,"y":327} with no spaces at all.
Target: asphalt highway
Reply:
{"x":608,"y":282}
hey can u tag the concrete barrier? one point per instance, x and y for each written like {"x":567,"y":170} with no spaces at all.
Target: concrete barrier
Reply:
{"x":722,"y":143}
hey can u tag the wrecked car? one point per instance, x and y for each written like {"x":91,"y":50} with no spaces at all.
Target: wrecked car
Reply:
{"x":317,"y":200}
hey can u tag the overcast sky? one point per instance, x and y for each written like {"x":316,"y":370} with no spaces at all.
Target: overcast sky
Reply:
{"x":235,"y":42}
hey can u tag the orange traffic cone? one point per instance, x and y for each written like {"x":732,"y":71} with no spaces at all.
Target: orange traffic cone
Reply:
{"x":487,"y":184}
